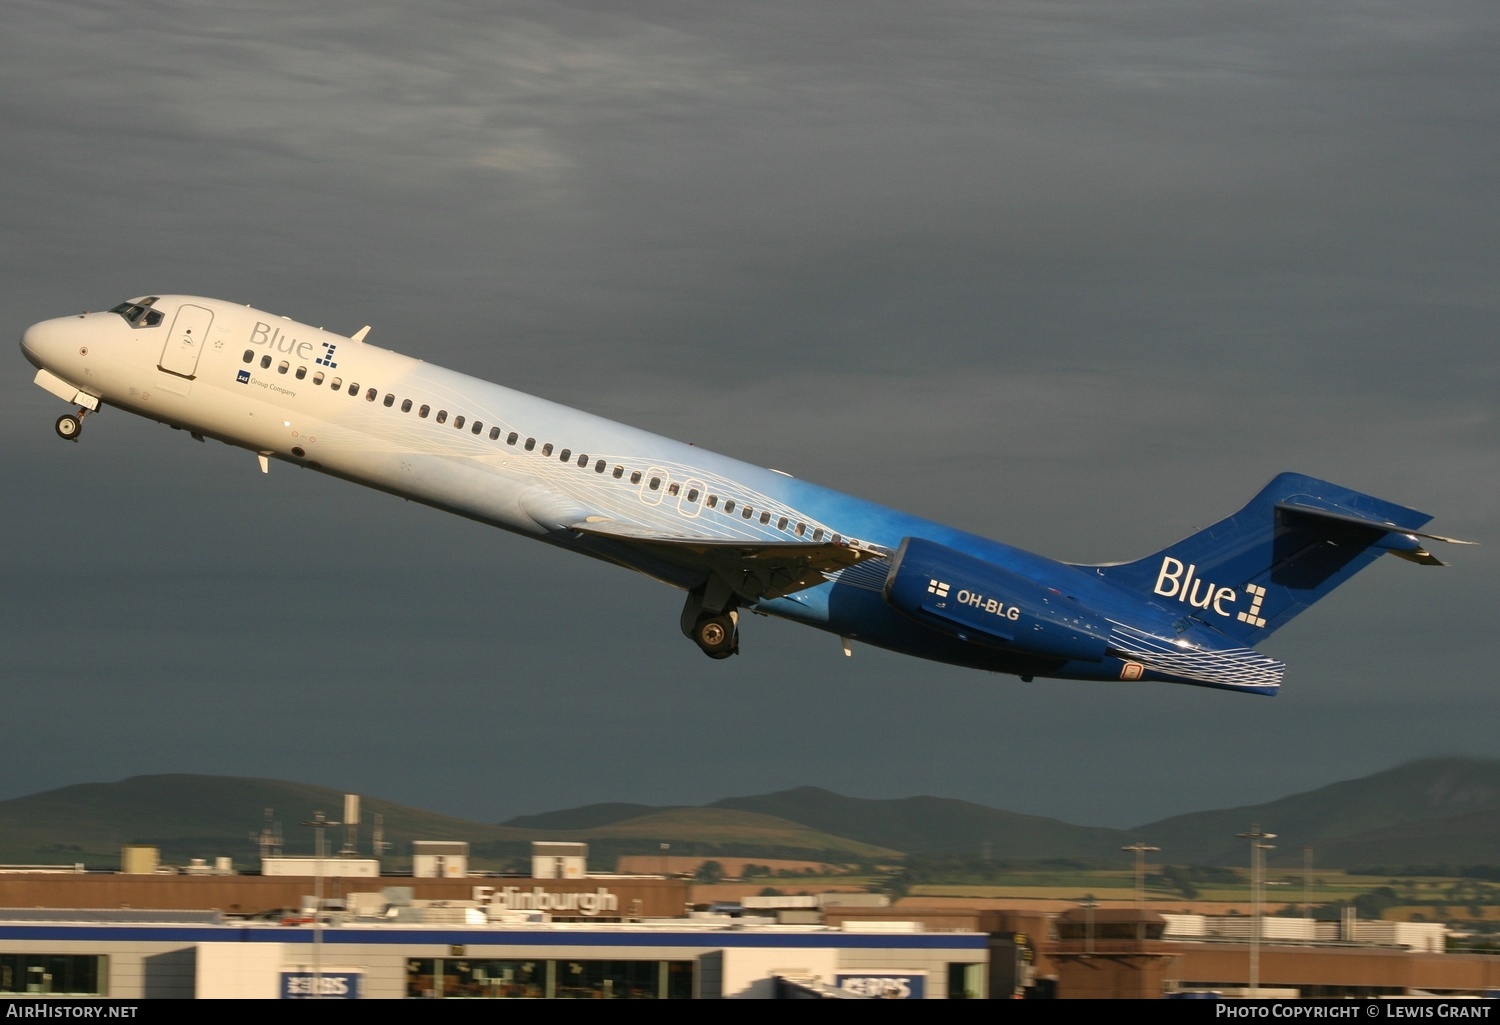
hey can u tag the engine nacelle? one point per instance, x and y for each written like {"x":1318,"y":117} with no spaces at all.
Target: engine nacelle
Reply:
{"x":980,"y":602}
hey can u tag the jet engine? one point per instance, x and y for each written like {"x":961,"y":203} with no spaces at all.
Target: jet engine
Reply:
{"x":979,"y":602}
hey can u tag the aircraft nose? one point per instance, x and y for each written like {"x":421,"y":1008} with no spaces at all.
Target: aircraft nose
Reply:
{"x":40,"y":342}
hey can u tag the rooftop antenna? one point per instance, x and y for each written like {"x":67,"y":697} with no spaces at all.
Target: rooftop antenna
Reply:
{"x":379,"y":843}
{"x":268,"y":840}
{"x":351,"y":826}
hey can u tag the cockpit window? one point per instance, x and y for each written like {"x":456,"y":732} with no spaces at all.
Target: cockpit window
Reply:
{"x":138,"y":312}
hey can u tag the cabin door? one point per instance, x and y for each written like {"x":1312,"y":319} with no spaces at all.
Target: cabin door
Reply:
{"x":185,"y":341}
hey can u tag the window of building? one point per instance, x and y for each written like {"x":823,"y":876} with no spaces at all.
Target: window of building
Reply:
{"x":42,"y":974}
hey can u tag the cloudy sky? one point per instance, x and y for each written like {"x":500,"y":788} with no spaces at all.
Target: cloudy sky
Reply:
{"x":1080,"y":276}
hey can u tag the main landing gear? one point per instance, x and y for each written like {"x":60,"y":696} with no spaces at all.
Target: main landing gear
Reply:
{"x":70,"y":425}
{"x":718,"y":633}
{"x":711,"y":621}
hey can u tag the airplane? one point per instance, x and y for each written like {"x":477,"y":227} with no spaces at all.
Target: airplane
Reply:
{"x":732,"y":535}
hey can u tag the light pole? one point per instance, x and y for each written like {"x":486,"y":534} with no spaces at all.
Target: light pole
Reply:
{"x":1257,"y":861}
{"x":319,"y":824}
{"x":1140,"y":850}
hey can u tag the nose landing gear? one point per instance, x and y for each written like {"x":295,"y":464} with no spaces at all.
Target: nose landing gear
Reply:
{"x":70,"y":425}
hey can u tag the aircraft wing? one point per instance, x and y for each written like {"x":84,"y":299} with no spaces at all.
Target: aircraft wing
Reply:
{"x":753,"y":569}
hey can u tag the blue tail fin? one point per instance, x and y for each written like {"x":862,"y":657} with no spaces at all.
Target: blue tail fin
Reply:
{"x":1294,"y":542}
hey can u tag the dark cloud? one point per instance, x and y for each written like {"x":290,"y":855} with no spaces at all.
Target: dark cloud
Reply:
{"x":1078,"y":276}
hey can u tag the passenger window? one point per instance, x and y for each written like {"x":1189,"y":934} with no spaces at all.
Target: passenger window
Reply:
{"x":424,"y":411}
{"x":510,"y":439}
{"x":692,"y":495}
{"x":765,"y":517}
{"x":655,"y":483}
{"x":619,"y":472}
{"x":781,"y":523}
{"x":494,"y":434}
{"x":318,"y":377}
{"x":564,"y":455}
{"x":836,"y":539}
{"x":635,"y":478}
{"x":599,"y":466}
{"x":672,"y":489}
{"x":301,"y":373}
{"x":530,"y":444}
{"x":477,"y":428}
{"x":353,"y":388}
{"x":818,"y":534}
{"x":406,"y":405}
{"x":390,"y":400}
{"x":249,"y":355}
{"x":801,"y":529}
{"x":458,"y":422}
{"x":371,"y":395}
{"x":442,"y":416}
{"x":336,"y":383}
{"x":729,"y":505}
{"x":547,"y":449}
{"x":583,"y":461}
{"x":265,"y":362}
{"x":283,"y":367}
{"x":747,"y":512}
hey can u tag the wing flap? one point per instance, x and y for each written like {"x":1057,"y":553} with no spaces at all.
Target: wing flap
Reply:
{"x":754,"y":570}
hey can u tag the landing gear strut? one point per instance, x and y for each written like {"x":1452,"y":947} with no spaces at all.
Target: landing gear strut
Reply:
{"x":70,"y":425}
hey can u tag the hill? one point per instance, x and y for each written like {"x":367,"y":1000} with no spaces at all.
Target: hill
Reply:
{"x":210,"y":816}
{"x":1435,"y":811}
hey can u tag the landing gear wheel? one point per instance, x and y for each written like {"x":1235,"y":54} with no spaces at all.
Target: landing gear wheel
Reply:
{"x":716,"y":635}
{"x":68,"y":427}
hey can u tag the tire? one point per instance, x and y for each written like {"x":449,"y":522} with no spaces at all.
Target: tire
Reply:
{"x":68,"y":427}
{"x":715,"y":635}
